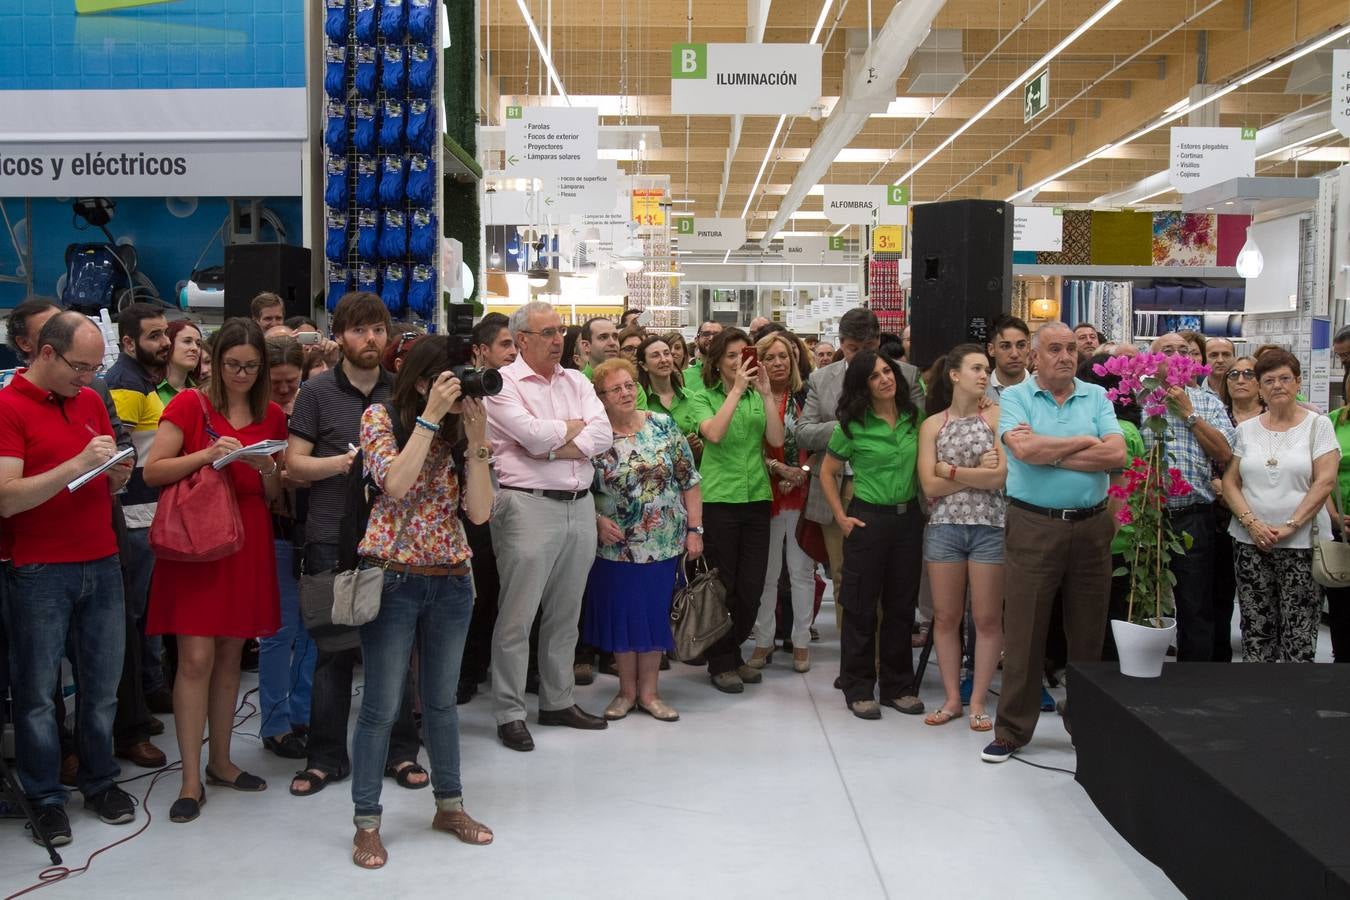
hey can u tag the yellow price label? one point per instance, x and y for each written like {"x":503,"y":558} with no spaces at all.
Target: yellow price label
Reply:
{"x":647,"y":209}
{"x":888,"y":239}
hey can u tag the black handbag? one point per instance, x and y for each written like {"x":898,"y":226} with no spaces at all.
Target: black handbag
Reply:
{"x":698,"y":613}
{"x":316,"y":611}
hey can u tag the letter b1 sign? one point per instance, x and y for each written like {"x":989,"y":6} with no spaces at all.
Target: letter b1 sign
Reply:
{"x":689,"y":61}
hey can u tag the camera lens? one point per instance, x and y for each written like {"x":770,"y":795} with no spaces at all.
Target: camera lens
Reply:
{"x":478,"y":383}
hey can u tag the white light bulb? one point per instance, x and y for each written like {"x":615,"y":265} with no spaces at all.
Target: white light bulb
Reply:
{"x":1250,"y":262}
{"x":495,"y":260}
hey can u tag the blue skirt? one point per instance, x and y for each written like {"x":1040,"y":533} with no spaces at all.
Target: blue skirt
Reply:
{"x":627,"y":606}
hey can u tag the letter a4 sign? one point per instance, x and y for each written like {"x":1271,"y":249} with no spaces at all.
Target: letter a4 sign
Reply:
{"x":751,"y":79}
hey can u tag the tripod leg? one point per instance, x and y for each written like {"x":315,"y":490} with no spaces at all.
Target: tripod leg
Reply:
{"x":926,"y":652}
{"x":10,"y":785}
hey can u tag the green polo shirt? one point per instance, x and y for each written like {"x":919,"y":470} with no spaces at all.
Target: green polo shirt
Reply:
{"x":693,"y":376}
{"x":884,"y":459}
{"x":681,"y":410}
{"x":733,"y":470}
{"x":1085,"y":411}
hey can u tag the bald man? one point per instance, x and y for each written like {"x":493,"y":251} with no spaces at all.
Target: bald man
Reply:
{"x":1062,"y":439}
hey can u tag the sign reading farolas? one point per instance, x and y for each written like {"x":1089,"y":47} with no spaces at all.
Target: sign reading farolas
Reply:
{"x":754,"y":79}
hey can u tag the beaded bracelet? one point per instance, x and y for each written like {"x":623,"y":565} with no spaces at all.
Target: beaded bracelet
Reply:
{"x":429,"y":426}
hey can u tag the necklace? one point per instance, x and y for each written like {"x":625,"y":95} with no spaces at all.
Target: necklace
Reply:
{"x":1275,"y":441}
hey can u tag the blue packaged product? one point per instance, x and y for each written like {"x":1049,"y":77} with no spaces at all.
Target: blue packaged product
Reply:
{"x":391,"y":181}
{"x":367,"y":72}
{"x":367,"y":181}
{"x":421,"y":180}
{"x":335,"y":70}
{"x":393,"y":20}
{"x":338,"y":284}
{"x":368,"y":277}
{"x":365,"y":21}
{"x":392,"y":291}
{"x":393,"y":70}
{"x":391,"y":127}
{"x":335,"y":124}
{"x":335,"y":20}
{"x":422,"y":21}
{"x":422,"y":291}
{"x":421,"y":127}
{"x":422,"y":236}
{"x":367,"y":234}
{"x":364,"y":134}
{"x":335,"y":182}
{"x":335,"y":235}
{"x":393,"y":234}
{"x":421,"y":71}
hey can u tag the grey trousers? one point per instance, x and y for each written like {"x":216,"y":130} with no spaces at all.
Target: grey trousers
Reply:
{"x":544,"y":549}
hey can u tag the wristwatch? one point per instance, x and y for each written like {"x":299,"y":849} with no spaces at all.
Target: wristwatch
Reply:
{"x":1192,"y":419}
{"x":483,"y":454}
{"x":695,"y":529}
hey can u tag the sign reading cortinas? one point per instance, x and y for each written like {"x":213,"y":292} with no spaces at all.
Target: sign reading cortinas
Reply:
{"x":755,"y":79}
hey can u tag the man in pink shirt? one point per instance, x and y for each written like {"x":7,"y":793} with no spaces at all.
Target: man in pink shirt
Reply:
{"x":544,"y":426}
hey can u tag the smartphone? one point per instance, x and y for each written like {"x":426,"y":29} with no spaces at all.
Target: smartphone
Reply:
{"x":308,"y":337}
{"x":749,"y":355}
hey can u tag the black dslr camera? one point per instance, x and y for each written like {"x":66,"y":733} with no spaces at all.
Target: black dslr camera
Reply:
{"x":478,"y":383}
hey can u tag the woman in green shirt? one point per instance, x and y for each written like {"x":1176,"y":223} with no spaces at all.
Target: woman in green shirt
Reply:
{"x":878,"y":434}
{"x":735,"y":424}
{"x":659,"y":377}
{"x":1338,"y":599}
{"x":185,"y":357}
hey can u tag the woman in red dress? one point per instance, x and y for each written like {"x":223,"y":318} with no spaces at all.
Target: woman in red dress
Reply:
{"x":213,"y":607}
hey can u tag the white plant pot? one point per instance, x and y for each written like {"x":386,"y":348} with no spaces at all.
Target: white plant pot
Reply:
{"x":1142,"y":648}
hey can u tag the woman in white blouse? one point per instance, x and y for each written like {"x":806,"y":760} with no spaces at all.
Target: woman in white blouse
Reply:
{"x":1284,"y":468}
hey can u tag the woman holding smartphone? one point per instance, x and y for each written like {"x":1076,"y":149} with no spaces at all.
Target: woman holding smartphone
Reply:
{"x":736,"y":424}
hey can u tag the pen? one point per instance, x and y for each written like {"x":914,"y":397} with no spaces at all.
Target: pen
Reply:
{"x":352,"y":447}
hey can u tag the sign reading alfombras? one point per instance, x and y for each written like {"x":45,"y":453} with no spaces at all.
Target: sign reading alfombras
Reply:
{"x":755,"y":79}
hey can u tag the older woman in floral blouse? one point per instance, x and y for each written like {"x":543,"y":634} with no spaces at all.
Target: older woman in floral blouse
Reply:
{"x":649,"y":511}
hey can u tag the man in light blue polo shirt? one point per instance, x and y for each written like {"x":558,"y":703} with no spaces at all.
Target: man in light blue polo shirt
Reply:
{"x":1062,"y":439}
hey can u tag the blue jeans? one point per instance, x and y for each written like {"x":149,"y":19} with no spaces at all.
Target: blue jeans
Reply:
{"x":434,"y":611}
{"x":286,"y":659}
{"x":140,"y":565}
{"x":44,"y":605}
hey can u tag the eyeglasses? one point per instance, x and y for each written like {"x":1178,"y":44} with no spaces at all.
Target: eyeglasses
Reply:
{"x":1277,"y":380}
{"x":627,"y":387}
{"x":1236,"y":374}
{"x":406,"y":337}
{"x":81,"y":368}
{"x":239,"y":368}
{"x":547,"y":334}
{"x":709,"y":333}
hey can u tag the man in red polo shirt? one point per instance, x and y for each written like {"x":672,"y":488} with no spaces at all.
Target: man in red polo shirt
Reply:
{"x":63,"y":578}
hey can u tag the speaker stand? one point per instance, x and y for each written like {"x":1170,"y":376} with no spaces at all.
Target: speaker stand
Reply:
{"x":10,"y":789}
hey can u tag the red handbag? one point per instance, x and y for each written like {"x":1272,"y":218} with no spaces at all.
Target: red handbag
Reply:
{"x":198,"y":519}
{"x":811,"y":538}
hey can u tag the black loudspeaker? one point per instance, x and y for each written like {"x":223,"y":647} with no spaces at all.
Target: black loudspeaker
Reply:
{"x":962,"y":275}
{"x":251,"y":269}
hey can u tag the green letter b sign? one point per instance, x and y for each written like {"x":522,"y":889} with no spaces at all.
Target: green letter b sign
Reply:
{"x":684,"y":226}
{"x":689,"y":61}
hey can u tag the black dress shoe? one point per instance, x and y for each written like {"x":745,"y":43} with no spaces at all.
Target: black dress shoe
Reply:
{"x":288,"y":746}
{"x":516,"y":736}
{"x":465,"y":692}
{"x":572,"y":717}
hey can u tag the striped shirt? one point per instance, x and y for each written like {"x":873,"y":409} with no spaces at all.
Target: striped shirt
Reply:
{"x":135,"y":393}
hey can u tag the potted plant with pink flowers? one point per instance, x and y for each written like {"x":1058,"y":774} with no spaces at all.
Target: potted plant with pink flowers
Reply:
{"x":1143,"y":637}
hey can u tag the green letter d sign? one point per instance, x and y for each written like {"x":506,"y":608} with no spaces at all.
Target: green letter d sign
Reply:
{"x":689,"y":61}
{"x":684,"y":226}
{"x":897,"y":195}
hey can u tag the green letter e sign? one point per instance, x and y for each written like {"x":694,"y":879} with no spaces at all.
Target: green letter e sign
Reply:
{"x":836,"y":242}
{"x":689,"y":61}
{"x":684,"y":226}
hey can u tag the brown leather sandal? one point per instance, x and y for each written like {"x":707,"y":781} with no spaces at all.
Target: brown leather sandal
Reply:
{"x":462,"y":826}
{"x":368,"y":850}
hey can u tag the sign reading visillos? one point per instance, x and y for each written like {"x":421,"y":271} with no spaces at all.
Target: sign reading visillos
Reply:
{"x":847,"y":204}
{"x":710,"y":234}
{"x":1038,"y":228}
{"x":1205,"y":156}
{"x":755,"y":79}
{"x":547,"y":141}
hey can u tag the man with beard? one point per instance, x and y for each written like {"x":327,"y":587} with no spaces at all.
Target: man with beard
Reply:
{"x":693,"y":379}
{"x":133,"y":381}
{"x":324,"y":426}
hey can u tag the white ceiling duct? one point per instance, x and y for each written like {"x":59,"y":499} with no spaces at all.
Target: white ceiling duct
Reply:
{"x":905,"y":29}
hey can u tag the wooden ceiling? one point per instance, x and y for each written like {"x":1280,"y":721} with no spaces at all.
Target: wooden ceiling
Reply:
{"x":1118,"y":76}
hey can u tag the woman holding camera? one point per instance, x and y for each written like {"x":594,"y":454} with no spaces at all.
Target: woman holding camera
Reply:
{"x":416,"y":537}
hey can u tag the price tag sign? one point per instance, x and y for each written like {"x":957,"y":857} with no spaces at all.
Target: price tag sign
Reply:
{"x":888,"y":239}
{"x":647,"y":207}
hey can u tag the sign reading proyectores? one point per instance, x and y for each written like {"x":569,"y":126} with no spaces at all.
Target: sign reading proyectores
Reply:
{"x":709,"y":234}
{"x":136,"y":169}
{"x":755,"y":79}
{"x":1205,"y":156}
{"x":547,"y":141}
{"x":847,"y":204}
{"x":1038,"y":228}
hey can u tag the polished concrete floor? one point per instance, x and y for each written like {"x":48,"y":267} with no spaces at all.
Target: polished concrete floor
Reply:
{"x":777,"y":792}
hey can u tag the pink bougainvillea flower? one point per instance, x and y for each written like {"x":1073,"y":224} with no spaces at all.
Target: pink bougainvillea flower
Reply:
{"x":1124,"y":516}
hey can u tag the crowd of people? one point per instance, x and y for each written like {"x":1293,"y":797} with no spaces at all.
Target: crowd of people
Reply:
{"x":532,"y":534}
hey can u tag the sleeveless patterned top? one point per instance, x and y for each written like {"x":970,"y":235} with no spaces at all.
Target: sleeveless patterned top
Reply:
{"x":961,"y":442}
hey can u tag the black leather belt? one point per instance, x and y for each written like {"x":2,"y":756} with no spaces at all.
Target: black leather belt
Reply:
{"x":893,"y":509}
{"x":1066,"y":515}
{"x":561,"y":496}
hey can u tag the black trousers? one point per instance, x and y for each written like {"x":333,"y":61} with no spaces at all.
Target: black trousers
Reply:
{"x":1338,"y":610}
{"x":486,"y":586}
{"x":1194,"y":591}
{"x":736,"y":543}
{"x":881,"y":559}
{"x":1225,"y":588}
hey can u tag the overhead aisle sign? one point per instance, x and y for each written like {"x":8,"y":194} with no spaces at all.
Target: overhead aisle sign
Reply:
{"x":848,"y":204}
{"x":1039,"y":228}
{"x":1340,"y":91}
{"x":710,"y":234}
{"x":1207,"y":156}
{"x":548,"y":141}
{"x":823,"y":249}
{"x":754,"y":79}
{"x":594,"y":192}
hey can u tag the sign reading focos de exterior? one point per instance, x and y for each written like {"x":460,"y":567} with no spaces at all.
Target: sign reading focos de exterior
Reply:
{"x":548,"y":141}
{"x":710,"y":234}
{"x":847,"y":204}
{"x":1206,"y":156}
{"x":728,"y":79}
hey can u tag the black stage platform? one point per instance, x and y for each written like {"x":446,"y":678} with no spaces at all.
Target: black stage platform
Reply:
{"x":1233,"y":778}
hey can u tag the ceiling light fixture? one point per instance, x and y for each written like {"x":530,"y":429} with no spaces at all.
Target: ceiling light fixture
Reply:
{"x":1012,"y":86}
{"x":1249,"y":262}
{"x":764,"y":164}
{"x":632,"y":256}
{"x":1299,"y":143}
{"x":543,"y":51}
{"x":820,"y":20}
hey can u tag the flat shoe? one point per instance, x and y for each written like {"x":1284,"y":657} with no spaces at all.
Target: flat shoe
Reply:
{"x":981,"y":722}
{"x":404,"y":776}
{"x":658,"y":710}
{"x":618,"y":708}
{"x":250,"y":784}
{"x":749,"y":675}
{"x":185,"y":809}
{"x":908,"y":704}
{"x":939,"y":717}
{"x":865,"y":709}
{"x":801,"y":660}
{"x":462,"y":826}
{"x":728,"y":682}
{"x":316,"y":782}
{"x":368,"y":850}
